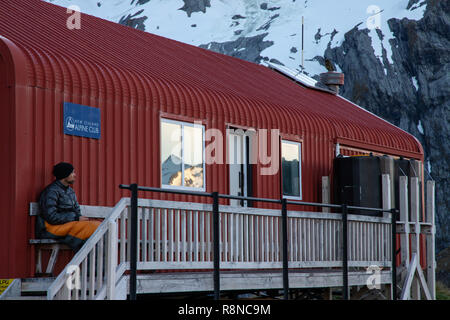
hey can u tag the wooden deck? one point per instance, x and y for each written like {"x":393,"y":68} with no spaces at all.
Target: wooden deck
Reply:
{"x":177,"y":237}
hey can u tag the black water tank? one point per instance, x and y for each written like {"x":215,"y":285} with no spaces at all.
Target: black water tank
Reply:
{"x":357,"y":182}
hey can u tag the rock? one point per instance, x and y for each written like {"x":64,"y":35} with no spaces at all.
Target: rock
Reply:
{"x":267,"y":24}
{"x":246,"y":48}
{"x":133,"y":22}
{"x":237,"y":17}
{"x":191,"y":6}
{"x":443,"y":267}
{"x":140,"y":2}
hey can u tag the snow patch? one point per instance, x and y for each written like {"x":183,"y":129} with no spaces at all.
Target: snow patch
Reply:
{"x":420,"y":127}
{"x":415,"y":83}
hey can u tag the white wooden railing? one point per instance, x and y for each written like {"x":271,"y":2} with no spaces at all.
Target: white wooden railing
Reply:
{"x":178,"y":235}
{"x":94,"y":271}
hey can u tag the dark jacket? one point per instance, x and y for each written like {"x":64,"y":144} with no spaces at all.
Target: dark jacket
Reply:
{"x":58,"y":205}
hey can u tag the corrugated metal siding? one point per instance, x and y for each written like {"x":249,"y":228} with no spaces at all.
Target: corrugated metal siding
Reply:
{"x":6,"y":149}
{"x":134,"y":78}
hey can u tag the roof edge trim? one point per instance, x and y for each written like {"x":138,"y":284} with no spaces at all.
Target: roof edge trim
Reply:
{"x":419,"y":145}
{"x":298,"y":77}
{"x":15,"y":57}
{"x":378,"y":148}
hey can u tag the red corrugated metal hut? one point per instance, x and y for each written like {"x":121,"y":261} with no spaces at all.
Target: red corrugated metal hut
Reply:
{"x":136,"y":79}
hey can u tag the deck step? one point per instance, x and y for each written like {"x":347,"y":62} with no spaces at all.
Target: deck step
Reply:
{"x":36,"y":286}
{"x":28,"y":289}
{"x":26,"y":298}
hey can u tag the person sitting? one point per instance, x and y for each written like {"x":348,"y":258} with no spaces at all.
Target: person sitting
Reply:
{"x":60,"y":215}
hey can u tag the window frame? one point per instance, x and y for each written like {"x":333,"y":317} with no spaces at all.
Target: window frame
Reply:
{"x":299,"y":144}
{"x":182,"y":124}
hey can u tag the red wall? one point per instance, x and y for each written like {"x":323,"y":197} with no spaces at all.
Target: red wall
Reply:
{"x":6,"y":161}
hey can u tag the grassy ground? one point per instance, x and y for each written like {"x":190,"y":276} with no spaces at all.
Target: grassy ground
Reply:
{"x":442,"y":292}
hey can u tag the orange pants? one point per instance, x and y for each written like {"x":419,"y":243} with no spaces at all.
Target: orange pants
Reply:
{"x":78,"y":229}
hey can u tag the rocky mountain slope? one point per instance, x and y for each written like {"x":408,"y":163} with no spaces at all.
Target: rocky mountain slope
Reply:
{"x":413,"y":93}
{"x":395,"y":55}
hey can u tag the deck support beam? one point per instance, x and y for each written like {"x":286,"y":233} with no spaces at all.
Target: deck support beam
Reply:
{"x":413,"y":276}
{"x":285,"y":249}
{"x":216,"y":250}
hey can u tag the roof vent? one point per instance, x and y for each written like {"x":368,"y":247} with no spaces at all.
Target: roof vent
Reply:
{"x":333,"y":80}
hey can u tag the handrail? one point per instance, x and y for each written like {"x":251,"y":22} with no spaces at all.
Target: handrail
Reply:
{"x":227,"y":196}
{"x":82,"y":254}
{"x":170,"y":204}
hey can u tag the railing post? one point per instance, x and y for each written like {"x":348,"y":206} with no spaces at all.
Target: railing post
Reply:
{"x":133,"y":240}
{"x":386,"y":193}
{"x":344,"y":252}
{"x":112,"y":261}
{"x":404,"y":223}
{"x":431,"y":263}
{"x":394,"y":213}
{"x":325,"y":193}
{"x":415,"y":236}
{"x":216,"y":239}
{"x":285,"y":248}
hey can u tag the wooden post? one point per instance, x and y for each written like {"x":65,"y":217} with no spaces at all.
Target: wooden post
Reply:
{"x":393,"y":287}
{"x":404,"y":220}
{"x":386,"y":194}
{"x":325,"y":192}
{"x":431,"y":260}
{"x":284,"y":248}
{"x":111,"y":262}
{"x":387,"y":291}
{"x":53,"y":258}
{"x":415,"y":236}
{"x":216,"y":248}
{"x":346,"y":292}
{"x":412,"y":267}
{"x":327,"y":294}
{"x":133,"y":240}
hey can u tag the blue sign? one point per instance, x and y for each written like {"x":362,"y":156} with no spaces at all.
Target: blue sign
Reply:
{"x":81,"y":120}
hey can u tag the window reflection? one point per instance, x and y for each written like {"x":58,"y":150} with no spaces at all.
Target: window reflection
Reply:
{"x":291,"y":168}
{"x":182,"y":154}
{"x":193,"y":157}
{"x":171,"y":164}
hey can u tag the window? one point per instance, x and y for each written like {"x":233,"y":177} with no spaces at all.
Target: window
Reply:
{"x":182,"y":155}
{"x":291,"y":169}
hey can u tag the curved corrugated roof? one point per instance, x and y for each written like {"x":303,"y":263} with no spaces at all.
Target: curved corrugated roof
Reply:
{"x":103,"y":58}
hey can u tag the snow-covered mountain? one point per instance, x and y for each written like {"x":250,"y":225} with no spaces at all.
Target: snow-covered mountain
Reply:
{"x":171,"y":173}
{"x":260,"y":29}
{"x":395,"y":55}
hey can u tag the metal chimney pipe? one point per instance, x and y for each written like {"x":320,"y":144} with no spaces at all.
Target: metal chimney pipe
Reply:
{"x":333,"y":80}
